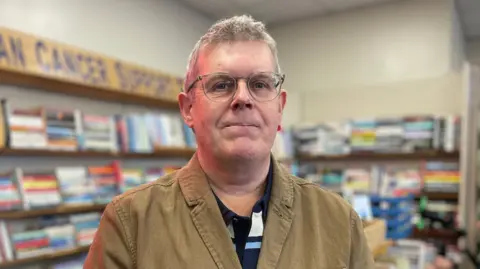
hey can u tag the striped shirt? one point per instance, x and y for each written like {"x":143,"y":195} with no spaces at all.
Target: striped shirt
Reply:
{"x":247,"y":232}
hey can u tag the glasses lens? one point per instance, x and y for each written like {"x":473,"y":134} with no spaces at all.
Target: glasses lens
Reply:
{"x":265,"y":86}
{"x":219,"y":86}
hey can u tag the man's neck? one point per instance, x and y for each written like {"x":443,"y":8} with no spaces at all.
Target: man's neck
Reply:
{"x":237,"y":183}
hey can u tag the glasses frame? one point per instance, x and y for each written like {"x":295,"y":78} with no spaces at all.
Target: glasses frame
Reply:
{"x":247,"y":79}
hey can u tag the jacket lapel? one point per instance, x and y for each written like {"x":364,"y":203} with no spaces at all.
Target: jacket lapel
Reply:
{"x":279,"y":220}
{"x":206,"y":215}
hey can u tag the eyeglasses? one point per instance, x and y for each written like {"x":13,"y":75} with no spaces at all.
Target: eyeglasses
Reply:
{"x":221,"y":87}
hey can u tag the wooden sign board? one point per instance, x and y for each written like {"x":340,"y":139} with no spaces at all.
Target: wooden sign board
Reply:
{"x":33,"y":55}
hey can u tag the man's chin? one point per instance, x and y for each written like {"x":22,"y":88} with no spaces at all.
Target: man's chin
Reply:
{"x":247,"y":152}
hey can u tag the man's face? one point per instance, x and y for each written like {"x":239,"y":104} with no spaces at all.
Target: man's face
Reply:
{"x":241,"y":126}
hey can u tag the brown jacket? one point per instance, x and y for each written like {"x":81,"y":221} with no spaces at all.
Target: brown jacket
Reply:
{"x":175,"y":223}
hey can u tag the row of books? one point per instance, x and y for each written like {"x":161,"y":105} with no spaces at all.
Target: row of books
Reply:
{"x":26,"y":238}
{"x":75,"y":262}
{"x":386,"y":135}
{"x":51,"y":128}
{"x":25,"y":189}
{"x":387,"y":180}
{"x":436,"y":215}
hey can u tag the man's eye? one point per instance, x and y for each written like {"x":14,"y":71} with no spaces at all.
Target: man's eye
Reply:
{"x":224,"y":85}
{"x":260,"y":85}
{"x":221,"y":85}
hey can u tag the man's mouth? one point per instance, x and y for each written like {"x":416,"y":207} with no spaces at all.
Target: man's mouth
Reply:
{"x":240,"y":125}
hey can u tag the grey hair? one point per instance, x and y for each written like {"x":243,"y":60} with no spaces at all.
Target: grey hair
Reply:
{"x":237,"y":28}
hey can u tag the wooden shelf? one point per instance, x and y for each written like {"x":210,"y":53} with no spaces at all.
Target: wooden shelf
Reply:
{"x":54,"y":153}
{"x":381,"y":156}
{"x":38,"y":82}
{"x":446,"y":196}
{"x":161,"y":153}
{"x":23,"y":214}
{"x":46,"y":257}
{"x":447,"y":235}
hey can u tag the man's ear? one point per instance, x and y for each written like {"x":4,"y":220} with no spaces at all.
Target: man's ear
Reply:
{"x":283,"y":100}
{"x":185,"y":102}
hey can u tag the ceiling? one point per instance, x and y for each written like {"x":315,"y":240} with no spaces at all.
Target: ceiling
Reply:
{"x":281,"y":11}
{"x":276,"y":11}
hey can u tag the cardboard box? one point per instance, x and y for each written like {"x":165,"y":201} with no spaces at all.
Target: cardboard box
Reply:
{"x":375,"y":231}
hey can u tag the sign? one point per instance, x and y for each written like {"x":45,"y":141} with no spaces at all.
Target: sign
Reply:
{"x":38,"y":56}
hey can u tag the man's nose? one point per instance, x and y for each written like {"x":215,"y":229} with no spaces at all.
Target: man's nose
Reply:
{"x":242,"y":98}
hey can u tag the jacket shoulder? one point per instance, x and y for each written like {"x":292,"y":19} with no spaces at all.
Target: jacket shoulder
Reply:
{"x":144,"y":193}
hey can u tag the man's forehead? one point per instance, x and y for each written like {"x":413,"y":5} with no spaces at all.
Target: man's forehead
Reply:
{"x":237,"y":58}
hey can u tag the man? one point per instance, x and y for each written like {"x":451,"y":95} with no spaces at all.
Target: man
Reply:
{"x":232,"y":206}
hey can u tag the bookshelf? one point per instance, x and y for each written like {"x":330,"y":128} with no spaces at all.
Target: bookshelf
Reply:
{"x":377,"y":157}
{"x":98,"y":79}
{"x":382,"y":158}
{"x":43,"y":258}
{"x":439,"y":234}
{"x":44,"y":83}
{"x":444,"y":196}
{"x":61,"y":210}
{"x":414,"y":156}
{"x":159,"y":153}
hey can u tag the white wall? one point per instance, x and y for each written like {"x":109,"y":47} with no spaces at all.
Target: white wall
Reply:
{"x":439,"y":95}
{"x":382,"y":54}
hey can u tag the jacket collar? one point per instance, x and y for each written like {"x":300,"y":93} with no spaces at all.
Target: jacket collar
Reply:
{"x":212,"y":229}
{"x":194,"y":185}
